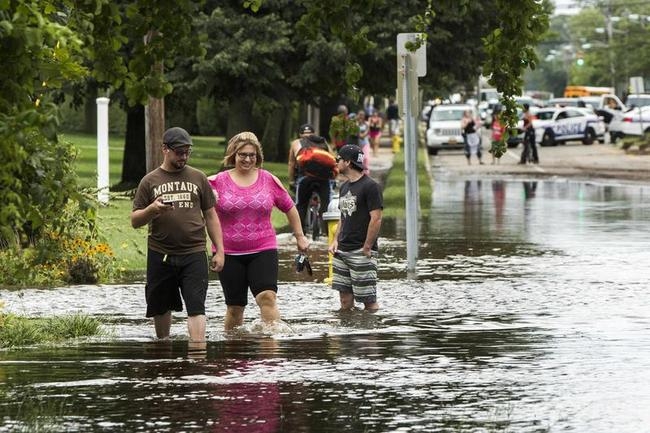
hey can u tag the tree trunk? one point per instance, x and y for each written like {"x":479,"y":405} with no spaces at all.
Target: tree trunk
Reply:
{"x":272,"y":132}
{"x":327,"y":111}
{"x":287,"y":133}
{"x":240,"y":116}
{"x":90,"y":107}
{"x":134,"y":162}
{"x":279,"y":130}
{"x":154,"y":129}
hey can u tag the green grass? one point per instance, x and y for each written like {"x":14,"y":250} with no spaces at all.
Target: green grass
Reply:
{"x":395,"y":188}
{"x":207,"y":154}
{"x":87,"y":158}
{"x":16,"y":331}
{"x":128,"y":244}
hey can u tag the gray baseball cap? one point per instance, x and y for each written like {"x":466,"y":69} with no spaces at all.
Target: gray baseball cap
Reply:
{"x":176,"y":137}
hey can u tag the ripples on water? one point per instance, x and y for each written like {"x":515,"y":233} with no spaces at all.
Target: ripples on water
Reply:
{"x":529,"y":314}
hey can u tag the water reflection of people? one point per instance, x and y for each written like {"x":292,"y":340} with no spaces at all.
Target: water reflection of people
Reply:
{"x":472,"y":204}
{"x":248,"y":407}
{"x":253,"y":406}
{"x":529,"y":189}
{"x":472,"y":191}
{"x":499,"y":198}
{"x":197,"y":350}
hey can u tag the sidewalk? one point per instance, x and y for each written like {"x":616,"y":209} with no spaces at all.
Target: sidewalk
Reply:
{"x":382,"y":162}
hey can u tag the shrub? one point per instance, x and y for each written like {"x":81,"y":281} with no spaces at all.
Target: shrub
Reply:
{"x":75,"y":255}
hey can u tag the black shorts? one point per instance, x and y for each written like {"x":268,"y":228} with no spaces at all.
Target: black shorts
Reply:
{"x":166,"y":274}
{"x":259,"y":271}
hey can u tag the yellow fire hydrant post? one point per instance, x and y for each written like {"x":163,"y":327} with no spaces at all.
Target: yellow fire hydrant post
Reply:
{"x":397,"y":142}
{"x":332,"y":216}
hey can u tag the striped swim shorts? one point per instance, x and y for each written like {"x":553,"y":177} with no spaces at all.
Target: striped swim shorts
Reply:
{"x":355,"y":273}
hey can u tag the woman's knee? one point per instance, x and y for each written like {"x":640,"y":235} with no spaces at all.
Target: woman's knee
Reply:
{"x":266,"y":298}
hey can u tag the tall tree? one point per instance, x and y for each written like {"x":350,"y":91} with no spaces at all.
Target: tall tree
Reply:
{"x":39,"y":54}
{"x":129,"y":46}
{"x":246,"y":64}
{"x":510,"y":49}
{"x":508,"y":46}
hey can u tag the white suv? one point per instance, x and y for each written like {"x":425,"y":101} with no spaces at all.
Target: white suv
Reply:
{"x":443,"y":130}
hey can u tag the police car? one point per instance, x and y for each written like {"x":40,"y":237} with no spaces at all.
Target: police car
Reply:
{"x":635,"y":122}
{"x":559,"y":125}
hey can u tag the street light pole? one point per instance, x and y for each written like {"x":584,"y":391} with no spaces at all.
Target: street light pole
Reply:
{"x":610,"y":32}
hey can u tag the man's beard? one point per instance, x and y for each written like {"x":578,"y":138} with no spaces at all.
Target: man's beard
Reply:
{"x":179,"y":164}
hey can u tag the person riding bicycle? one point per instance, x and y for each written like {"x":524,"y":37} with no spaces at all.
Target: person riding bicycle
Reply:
{"x":312,"y":167}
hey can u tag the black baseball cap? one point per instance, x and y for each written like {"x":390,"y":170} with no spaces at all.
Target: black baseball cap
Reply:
{"x":307,"y":128}
{"x":352,"y":153}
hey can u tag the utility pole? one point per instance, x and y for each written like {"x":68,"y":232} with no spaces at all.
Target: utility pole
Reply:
{"x":609,"y":28}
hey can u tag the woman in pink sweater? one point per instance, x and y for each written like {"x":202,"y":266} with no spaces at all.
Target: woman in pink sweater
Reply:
{"x":246,"y":195}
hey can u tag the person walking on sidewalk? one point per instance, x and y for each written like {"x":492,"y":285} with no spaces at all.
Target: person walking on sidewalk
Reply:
{"x":376,"y":124}
{"x":497,"y":133}
{"x":364,"y":139}
{"x":470,"y":126}
{"x":177,"y":203}
{"x":392,"y":115}
{"x":355,"y":242}
{"x":342,"y":128}
{"x":529,"y":152}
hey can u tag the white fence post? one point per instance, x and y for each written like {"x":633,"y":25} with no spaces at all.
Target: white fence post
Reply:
{"x":102,"y":150}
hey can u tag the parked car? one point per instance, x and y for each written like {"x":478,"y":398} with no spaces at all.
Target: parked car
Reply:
{"x":559,"y":125}
{"x":608,"y":102}
{"x":638,"y":100}
{"x":636,"y":122}
{"x":564,"y":102}
{"x":443,"y":129}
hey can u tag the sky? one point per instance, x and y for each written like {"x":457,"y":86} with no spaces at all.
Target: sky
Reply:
{"x":566,"y":7}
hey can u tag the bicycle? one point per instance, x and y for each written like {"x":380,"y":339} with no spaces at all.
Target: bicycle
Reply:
{"x":314,"y":218}
{"x":310,"y":196}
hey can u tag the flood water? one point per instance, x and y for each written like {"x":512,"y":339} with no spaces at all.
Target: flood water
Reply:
{"x":529,"y":313}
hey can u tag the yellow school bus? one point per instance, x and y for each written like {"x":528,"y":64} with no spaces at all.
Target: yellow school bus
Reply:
{"x":577,"y":91}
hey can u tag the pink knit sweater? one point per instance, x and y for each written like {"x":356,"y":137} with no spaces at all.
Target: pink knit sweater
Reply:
{"x":245,"y":212}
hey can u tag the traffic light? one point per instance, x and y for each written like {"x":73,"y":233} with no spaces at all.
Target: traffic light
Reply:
{"x":580,"y":58}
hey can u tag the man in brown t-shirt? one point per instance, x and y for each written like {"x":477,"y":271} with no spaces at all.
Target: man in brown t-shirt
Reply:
{"x":177,"y":203}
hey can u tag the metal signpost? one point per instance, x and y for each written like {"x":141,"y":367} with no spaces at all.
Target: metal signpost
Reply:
{"x":410,"y":66}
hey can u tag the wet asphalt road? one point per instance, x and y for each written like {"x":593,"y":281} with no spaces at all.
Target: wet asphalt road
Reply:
{"x":573,"y":160}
